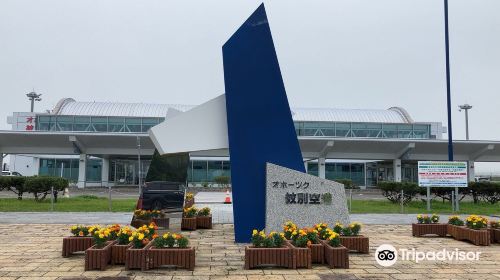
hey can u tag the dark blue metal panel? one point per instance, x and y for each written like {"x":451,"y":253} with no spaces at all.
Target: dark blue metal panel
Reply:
{"x":260,"y":125}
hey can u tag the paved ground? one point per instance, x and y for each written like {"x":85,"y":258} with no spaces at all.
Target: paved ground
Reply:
{"x":221,"y":213}
{"x":34,"y":252}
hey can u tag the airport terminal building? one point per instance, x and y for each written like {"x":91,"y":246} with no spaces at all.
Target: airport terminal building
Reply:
{"x":98,"y":143}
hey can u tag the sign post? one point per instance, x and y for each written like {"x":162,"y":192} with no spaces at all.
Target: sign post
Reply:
{"x":444,"y":174}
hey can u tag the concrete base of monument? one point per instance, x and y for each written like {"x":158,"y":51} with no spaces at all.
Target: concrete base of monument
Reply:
{"x":302,"y":198}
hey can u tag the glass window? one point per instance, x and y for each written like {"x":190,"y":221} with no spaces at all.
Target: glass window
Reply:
{"x":199,"y":171}
{"x":82,"y":124}
{"x":94,"y":167}
{"x":65,"y":123}
{"x":214,"y":170}
{"x":342,"y":129}
{"x":116,"y":124}
{"x":330,"y":170}
{"x":133,"y":124}
{"x":312,"y":168}
{"x":390,"y":130}
{"x":100,"y":124}
{"x":148,"y":123}
{"x":226,"y":168}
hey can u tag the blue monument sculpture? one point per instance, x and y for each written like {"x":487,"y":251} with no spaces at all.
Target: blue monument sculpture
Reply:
{"x":259,"y":120}
{"x":253,"y":120}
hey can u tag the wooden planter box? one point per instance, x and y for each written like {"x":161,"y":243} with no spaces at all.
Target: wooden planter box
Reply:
{"x":137,"y":223}
{"x":189,"y":203}
{"x":302,"y":257}
{"x":72,"y":244}
{"x":425,"y":229}
{"x":204,"y":222}
{"x":479,"y":237}
{"x":317,"y":253}
{"x":452,"y":229}
{"x":98,"y":258}
{"x":162,"y":222}
{"x":188,"y":223}
{"x":137,"y":258}
{"x":336,"y":257}
{"x":118,"y":253}
{"x":179,"y":257}
{"x":280,"y":257}
{"x":494,"y":235}
{"x":358,"y":243}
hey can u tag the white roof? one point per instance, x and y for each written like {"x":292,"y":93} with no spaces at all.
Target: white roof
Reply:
{"x":69,"y":106}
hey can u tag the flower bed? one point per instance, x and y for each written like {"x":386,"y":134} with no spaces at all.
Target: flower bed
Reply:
{"x":172,"y":250}
{"x":136,"y":254}
{"x":79,"y":242}
{"x":336,"y":257}
{"x":98,"y":257}
{"x":475,"y":230}
{"x":494,"y":231}
{"x":351,"y":239}
{"x":136,"y":258}
{"x":118,"y":250}
{"x":478,"y":237}
{"x":301,"y":251}
{"x":279,"y":257}
{"x":188,"y":221}
{"x":204,"y":219}
{"x":429,"y":225}
{"x":269,"y":250}
{"x":425,"y":229}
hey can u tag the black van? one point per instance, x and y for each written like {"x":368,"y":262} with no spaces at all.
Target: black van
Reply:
{"x":162,"y":195}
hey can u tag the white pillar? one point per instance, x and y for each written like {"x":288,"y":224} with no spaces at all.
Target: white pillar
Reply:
{"x":397,"y":169}
{"x":321,"y":167}
{"x":105,"y":171}
{"x":1,"y":163}
{"x":82,"y":171}
{"x":470,"y":170}
{"x":305,"y":165}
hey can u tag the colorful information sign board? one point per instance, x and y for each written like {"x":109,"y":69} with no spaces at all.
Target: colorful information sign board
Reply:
{"x":442,"y":174}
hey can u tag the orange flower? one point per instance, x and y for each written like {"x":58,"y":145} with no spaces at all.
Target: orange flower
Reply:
{"x":80,"y":233}
{"x":145,"y":241}
{"x":309,"y":243}
{"x":155,"y":235}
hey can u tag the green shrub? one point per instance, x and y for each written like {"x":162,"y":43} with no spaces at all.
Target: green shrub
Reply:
{"x":40,"y":186}
{"x":392,"y":191}
{"x":485,"y":191}
{"x":14,"y":184}
{"x":348,"y":184}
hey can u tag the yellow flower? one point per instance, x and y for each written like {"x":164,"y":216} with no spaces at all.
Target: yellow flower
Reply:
{"x":101,"y":236}
{"x":130,"y":238}
{"x":254,"y":232}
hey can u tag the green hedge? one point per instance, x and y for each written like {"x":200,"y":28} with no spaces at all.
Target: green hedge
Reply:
{"x":348,"y":184}
{"x":479,"y":191}
{"x":392,"y":191}
{"x":39,"y":186}
{"x":14,"y":184}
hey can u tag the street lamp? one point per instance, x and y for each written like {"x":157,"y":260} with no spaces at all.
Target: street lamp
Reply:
{"x":33,"y":96}
{"x":466,"y":107}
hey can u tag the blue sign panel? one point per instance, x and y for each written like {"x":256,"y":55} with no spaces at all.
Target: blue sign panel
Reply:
{"x":260,"y":125}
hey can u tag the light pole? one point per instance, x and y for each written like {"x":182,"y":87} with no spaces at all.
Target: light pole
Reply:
{"x":33,"y":96}
{"x":466,"y":107}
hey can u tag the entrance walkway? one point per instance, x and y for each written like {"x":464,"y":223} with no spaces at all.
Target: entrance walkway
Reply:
{"x":34,"y":252}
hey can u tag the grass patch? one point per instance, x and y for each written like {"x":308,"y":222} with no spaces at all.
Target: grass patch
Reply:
{"x":416,"y":207}
{"x":83,"y":203}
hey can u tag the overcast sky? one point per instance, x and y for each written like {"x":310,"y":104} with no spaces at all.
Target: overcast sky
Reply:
{"x":343,"y":54}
